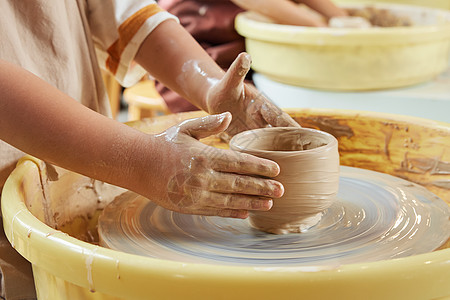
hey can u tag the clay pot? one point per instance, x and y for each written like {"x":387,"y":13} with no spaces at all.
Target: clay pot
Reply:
{"x":309,"y":164}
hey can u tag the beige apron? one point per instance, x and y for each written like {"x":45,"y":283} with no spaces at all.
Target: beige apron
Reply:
{"x":52,"y":44}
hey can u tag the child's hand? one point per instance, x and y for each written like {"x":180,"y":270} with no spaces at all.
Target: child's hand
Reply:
{"x":198,"y":179}
{"x":250,"y":109}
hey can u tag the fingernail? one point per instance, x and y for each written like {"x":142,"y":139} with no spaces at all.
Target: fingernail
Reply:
{"x":270,"y":169}
{"x":248,"y":58}
{"x":246,"y":63}
{"x":267,"y":204}
{"x":278,"y":189}
{"x":276,"y":169}
{"x":221,"y":117}
{"x":273,"y":168}
{"x":281,"y":190}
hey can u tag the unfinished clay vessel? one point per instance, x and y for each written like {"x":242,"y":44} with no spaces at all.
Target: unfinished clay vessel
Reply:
{"x":309,"y":164}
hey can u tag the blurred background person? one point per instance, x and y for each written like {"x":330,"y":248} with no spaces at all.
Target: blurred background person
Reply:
{"x":211,"y":23}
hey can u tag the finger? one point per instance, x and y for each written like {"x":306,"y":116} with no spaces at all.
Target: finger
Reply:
{"x":235,"y":75}
{"x":206,"y":126}
{"x":233,"y":213}
{"x":217,"y":212}
{"x":198,"y":198}
{"x":239,"y":202}
{"x":207,"y":199}
{"x":242,"y":163}
{"x":242,"y":184}
{"x":274,"y":116}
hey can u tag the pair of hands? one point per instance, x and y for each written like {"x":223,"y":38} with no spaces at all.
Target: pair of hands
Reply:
{"x":200,"y":179}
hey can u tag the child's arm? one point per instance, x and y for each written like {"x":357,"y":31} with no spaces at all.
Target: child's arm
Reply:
{"x":172,"y":56}
{"x":173,"y":169}
{"x":287,"y":12}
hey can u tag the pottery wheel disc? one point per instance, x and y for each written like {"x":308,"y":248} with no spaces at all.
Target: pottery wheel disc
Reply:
{"x":376,"y":217}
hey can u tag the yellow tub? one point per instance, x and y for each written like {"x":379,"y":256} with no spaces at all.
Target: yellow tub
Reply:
{"x":66,"y":267}
{"x":350,"y":59}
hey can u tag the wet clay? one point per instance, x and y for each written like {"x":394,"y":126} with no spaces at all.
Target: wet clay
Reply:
{"x":309,"y":164}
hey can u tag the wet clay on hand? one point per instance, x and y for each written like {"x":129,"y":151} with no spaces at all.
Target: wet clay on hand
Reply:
{"x":309,"y":164}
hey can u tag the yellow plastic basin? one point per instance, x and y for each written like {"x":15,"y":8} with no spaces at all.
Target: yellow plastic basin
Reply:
{"x":37,"y":195}
{"x":350,"y":59}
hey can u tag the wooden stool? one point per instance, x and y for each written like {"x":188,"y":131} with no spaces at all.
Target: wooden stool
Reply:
{"x":144,"y":101}
{"x":113,"y":89}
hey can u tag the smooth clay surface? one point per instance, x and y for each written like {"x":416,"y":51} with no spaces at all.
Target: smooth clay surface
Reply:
{"x":309,"y":164}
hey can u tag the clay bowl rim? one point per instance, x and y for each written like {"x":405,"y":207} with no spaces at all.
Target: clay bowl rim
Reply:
{"x":239,"y":148}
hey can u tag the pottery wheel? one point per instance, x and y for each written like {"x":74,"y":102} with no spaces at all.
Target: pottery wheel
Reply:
{"x":376,"y":217}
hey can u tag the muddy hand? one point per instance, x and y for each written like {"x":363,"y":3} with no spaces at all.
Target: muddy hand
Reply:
{"x":199,"y":179}
{"x":250,"y":108}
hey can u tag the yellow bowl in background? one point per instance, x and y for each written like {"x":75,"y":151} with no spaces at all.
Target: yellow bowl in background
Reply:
{"x":65,"y":267}
{"x":350,"y":59}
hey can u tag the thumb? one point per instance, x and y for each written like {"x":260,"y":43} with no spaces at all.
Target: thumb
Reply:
{"x":205,"y":126}
{"x":274,"y":116}
{"x":235,"y":75}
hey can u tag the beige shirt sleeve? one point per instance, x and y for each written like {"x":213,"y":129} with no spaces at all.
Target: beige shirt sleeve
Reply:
{"x":119,"y":28}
